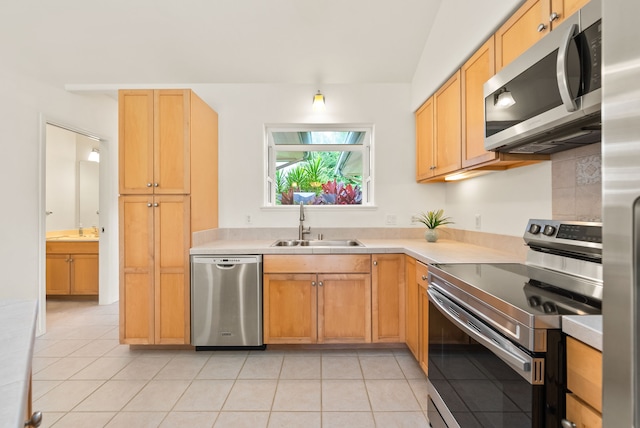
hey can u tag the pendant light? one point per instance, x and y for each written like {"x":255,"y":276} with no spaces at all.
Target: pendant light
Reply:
{"x":318,"y":102}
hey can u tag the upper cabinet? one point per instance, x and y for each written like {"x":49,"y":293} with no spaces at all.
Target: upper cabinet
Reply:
{"x":477,"y":70}
{"x":424,"y":141}
{"x":532,"y":21}
{"x":156,"y":136}
{"x":450,"y":124}
{"x":438,"y":132}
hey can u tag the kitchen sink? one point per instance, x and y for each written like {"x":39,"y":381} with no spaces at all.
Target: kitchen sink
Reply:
{"x":317,"y":243}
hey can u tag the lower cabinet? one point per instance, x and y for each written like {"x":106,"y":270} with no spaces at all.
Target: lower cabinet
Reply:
{"x":388,"y":298}
{"x":423,"y":316}
{"x":154,"y":269}
{"x":330,"y":305}
{"x":411,"y":298}
{"x":584,"y":382}
{"x":72,"y":268}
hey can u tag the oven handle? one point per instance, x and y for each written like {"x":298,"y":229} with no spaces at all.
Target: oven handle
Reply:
{"x":562,"y":70}
{"x":491,"y":340}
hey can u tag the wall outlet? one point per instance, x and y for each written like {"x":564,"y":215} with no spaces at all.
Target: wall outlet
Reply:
{"x":248,"y":219}
{"x":478,"y":221}
{"x":415,"y":219}
{"x":391,"y":219}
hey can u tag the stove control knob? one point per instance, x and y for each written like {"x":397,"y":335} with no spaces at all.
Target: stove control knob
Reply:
{"x":535,"y":301}
{"x":549,"y":230}
{"x":534,"y":229}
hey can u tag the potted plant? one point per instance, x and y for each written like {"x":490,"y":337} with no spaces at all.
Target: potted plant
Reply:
{"x":433,"y":219}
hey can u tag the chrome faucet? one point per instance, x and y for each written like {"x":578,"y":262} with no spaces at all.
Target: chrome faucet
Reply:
{"x":301,"y":229}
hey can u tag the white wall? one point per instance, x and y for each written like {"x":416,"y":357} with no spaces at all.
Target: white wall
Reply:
{"x":245,"y":109}
{"x":505,"y":200}
{"x":22,"y":107}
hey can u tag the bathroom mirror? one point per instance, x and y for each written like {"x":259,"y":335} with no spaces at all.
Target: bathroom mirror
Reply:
{"x":72,"y":181}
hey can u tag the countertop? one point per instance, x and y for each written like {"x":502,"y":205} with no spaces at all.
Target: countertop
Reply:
{"x":585,"y":328}
{"x":17,"y":333}
{"x":443,"y":251}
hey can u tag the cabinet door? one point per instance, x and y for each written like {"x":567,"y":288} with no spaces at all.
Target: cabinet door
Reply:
{"x":171,"y":142}
{"x":584,"y":372}
{"x":562,"y":9}
{"x":290,"y":308}
{"x":344,"y":308}
{"x":387,"y":303}
{"x":447,"y":126}
{"x":423,"y":315}
{"x":84,"y":274}
{"x":424,"y":141}
{"x":525,"y":27}
{"x":581,"y":414}
{"x":477,"y":70}
{"x":136,"y":269}
{"x":411,"y":297}
{"x":171,"y":269}
{"x":58,"y":274}
{"x":135,"y":148}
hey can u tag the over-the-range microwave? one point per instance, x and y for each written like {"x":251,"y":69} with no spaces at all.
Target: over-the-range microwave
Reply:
{"x":548,"y":99}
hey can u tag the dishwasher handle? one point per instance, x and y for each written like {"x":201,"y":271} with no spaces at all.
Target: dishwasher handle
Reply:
{"x":226,"y":262}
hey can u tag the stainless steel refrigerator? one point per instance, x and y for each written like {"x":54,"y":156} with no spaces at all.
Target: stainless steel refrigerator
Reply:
{"x":621,"y":212}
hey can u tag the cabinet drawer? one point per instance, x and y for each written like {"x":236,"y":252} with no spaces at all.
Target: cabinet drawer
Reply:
{"x":584,"y":372}
{"x":312,"y":263}
{"x":68,"y":247}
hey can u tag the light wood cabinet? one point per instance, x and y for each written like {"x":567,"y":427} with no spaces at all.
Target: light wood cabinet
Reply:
{"x":329,"y":307}
{"x":423,"y":316}
{"x":166,"y":138}
{"x":447,"y":126}
{"x":438,"y":132}
{"x":72,"y":268}
{"x":412,"y":297}
{"x":584,"y":382}
{"x":424,"y":141}
{"x":531,"y":22}
{"x":388,"y":298}
{"x":154,"y":269}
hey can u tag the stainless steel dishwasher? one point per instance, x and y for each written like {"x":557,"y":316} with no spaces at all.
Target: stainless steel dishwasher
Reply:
{"x":226,"y":302}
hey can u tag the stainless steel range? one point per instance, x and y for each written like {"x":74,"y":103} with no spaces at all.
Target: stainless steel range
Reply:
{"x":496,"y":351}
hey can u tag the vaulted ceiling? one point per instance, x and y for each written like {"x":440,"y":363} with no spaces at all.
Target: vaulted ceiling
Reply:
{"x":215,"y":41}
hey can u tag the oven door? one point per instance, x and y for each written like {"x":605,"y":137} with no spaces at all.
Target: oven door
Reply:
{"x":478,"y":378}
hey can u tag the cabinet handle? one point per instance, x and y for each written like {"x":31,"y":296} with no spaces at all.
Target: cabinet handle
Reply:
{"x":148,"y":184}
{"x":375,"y":263}
{"x":149,"y":204}
{"x":567,"y":424}
{"x":320,"y":284}
{"x":553,"y":16}
{"x":35,"y":421}
{"x":70,"y":260}
{"x":424,"y":277}
{"x":155,"y":184}
{"x":541,"y":28}
{"x":313,"y":283}
{"x":156,"y":204}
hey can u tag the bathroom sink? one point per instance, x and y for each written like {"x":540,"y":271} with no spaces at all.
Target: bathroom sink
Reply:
{"x":317,"y":243}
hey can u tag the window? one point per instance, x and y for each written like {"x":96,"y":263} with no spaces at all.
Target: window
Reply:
{"x":319,"y":165}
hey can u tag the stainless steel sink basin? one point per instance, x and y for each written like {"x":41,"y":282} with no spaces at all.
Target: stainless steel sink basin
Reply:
{"x":317,"y":243}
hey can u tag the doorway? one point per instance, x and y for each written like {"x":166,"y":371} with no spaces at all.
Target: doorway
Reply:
{"x":72,"y":214}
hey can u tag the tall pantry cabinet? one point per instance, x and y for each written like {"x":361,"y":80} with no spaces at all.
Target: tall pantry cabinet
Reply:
{"x":168,"y":185}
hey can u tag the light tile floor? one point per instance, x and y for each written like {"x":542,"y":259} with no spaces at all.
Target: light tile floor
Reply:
{"x":83,"y":377}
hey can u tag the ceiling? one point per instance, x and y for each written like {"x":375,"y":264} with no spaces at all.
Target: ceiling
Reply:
{"x":215,"y":41}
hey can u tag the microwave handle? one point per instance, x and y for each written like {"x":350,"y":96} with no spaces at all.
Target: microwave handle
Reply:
{"x":562,"y":70}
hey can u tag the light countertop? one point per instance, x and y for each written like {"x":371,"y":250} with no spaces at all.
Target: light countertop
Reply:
{"x":585,"y":328}
{"x":17,"y":333}
{"x":443,"y":251}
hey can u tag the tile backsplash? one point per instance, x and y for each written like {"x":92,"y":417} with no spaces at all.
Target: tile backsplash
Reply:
{"x":576,"y":184}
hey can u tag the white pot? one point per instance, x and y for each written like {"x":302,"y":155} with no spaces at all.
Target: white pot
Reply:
{"x":431,"y":235}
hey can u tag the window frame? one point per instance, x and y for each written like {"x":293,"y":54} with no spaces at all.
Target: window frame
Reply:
{"x":366,"y":149}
